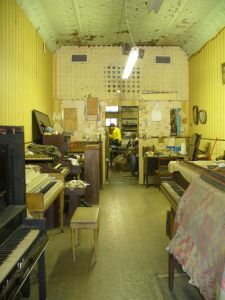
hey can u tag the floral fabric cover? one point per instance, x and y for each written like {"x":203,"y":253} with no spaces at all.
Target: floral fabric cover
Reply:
{"x":199,"y":240}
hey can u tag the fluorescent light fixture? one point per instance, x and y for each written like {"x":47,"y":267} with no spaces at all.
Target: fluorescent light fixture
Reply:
{"x":133,"y":56}
{"x":155,"y":5}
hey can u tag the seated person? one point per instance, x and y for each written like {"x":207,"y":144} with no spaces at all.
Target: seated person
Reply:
{"x":114,"y":135}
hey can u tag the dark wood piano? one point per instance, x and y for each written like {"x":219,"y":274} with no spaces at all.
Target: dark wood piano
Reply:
{"x":22,"y":240}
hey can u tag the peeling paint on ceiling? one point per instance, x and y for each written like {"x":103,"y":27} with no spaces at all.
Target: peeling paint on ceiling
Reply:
{"x":185,"y":23}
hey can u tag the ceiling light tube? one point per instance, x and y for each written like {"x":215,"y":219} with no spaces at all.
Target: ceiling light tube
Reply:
{"x":133,"y":56}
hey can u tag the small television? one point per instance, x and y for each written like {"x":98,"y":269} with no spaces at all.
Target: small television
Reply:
{"x":39,"y":122}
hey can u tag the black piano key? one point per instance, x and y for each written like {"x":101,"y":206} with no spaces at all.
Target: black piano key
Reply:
{"x":3,"y":256}
{"x":10,"y":245}
{"x":176,"y":188}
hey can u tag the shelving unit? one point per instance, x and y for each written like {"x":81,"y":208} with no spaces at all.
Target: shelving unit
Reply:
{"x":129,"y":121}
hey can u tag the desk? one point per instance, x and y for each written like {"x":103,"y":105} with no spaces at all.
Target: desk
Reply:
{"x":151,"y":164}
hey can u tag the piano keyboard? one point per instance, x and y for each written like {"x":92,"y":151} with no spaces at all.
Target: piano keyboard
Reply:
{"x":172,"y":190}
{"x":13,"y":249}
{"x":63,"y":170}
{"x":38,"y":157}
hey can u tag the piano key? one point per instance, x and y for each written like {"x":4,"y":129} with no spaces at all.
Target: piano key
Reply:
{"x":172,"y":190}
{"x":38,"y":157}
{"x":57,"y":166}
{"x":17,"y":253}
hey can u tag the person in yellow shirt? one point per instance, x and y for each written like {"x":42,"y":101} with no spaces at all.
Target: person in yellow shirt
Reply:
{"x":114,"y":135}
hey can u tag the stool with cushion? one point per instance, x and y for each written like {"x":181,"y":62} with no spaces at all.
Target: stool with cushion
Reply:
{"x":85,"y":218}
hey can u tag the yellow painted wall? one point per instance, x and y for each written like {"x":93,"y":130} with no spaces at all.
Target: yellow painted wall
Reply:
{"x":207,"y":90}
{"x":100,"y":76}
{"x":25,"y":70}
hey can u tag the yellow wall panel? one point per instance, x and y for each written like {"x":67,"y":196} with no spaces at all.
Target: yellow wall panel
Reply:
{"x":207,"y":90}
{"x":25,"y":70}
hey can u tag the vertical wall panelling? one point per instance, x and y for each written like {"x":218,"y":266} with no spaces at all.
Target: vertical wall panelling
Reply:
{"x":25,"y":70}
{"x":207,"y":90}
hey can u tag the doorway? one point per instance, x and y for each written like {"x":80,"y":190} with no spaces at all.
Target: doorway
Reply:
{"x":123,"y":159}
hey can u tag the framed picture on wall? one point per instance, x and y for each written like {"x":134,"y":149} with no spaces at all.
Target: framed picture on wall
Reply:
{"x":223,"y":72}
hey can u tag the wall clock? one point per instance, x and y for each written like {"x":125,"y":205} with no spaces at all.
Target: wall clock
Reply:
{"x":202,"y":116}
{"x":195,"y":114}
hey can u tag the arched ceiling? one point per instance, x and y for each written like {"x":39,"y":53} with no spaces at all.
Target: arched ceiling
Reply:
{"x":185,"y":23}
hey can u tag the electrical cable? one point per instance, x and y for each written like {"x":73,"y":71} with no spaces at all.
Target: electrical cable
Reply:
{"x":128,"y":26}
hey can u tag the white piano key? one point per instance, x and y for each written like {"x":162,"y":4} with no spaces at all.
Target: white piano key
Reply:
{"x":17,"y":253}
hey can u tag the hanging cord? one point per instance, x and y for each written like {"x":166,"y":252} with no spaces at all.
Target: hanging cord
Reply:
{"x":128,"y":26}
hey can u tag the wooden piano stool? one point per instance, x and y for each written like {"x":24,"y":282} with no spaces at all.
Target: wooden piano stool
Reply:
{"x":85,"y":218}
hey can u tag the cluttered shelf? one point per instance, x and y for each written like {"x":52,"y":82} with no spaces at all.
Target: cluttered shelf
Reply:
{"x":129,"y":121}
{"x":156,"y":160}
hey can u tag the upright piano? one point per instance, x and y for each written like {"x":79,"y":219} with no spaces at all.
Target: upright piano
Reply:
{"x":183,"y":172}
{"x":197,"y":235}
{"x":22,"y":240}
{"x":42,"y":189}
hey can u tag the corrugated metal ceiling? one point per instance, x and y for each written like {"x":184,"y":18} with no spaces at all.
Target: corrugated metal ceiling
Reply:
{"x":185,"y":23}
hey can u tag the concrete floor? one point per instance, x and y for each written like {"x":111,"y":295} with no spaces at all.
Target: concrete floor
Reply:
{"x":132,"y":255}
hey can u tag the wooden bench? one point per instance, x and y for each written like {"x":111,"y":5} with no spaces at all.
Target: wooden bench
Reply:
{"x":85,"y":218}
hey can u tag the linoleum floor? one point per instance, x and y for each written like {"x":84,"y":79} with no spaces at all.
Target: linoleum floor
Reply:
{"x":132,"y":258}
